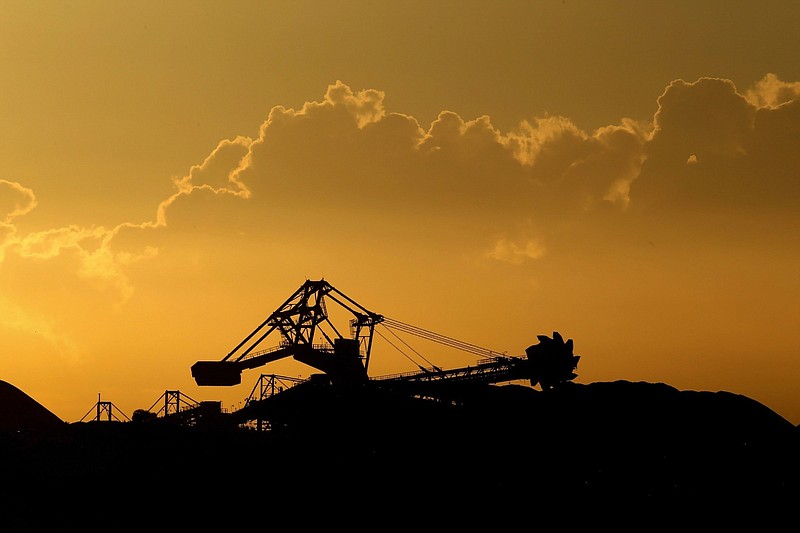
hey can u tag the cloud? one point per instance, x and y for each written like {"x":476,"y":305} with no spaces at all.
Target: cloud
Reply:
{"x":218,"y":172}
{"x":626,"y":226}
{"x":770,"y":92}
{"x":515,"y":254}
{"x":15,"y":200}
{"x":38,"y":332}
{"x":741,"y":149}
{"x":343,"y":171}
{"x":91,"y":248}
{"x":345,"y":162}
{"x":585,"y":172}
{"x":102,"y":255}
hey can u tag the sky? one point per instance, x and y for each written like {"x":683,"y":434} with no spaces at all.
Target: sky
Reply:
{"x":625,"y":173}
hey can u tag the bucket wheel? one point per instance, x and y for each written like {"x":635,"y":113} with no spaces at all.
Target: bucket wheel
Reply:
{"x":552,"y":361}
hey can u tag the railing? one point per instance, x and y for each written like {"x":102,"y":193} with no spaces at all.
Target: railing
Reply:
{"x":324,"y":347}
{"x":492,"y":368}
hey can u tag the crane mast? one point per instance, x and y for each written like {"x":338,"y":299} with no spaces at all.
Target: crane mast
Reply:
{"x":308,"y":334}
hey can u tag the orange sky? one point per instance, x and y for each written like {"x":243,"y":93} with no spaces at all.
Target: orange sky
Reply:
{"x":626,"y":173}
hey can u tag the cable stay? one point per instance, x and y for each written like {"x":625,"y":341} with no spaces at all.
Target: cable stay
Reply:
{"x":440,"y":339}
{"x":422,"y":368}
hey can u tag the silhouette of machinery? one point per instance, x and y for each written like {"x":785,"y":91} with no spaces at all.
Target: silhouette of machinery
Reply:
{"x":301,"y":320}
{"x":309,"y":335}
{"x":179,"y":408}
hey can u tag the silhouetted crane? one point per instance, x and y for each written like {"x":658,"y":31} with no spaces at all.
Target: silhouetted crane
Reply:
{"x":308,"y":334}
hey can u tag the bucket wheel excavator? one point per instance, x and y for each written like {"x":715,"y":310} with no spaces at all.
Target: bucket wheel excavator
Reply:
{"x":309,"y":335}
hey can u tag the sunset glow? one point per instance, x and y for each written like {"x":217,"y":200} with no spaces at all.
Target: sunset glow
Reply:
{"x":621,"y":172}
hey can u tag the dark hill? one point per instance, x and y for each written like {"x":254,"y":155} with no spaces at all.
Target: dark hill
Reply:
{"x":512,"y":454}
{"x":20,"y":411}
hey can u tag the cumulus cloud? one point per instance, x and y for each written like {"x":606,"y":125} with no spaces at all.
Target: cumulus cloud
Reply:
{"x":101,"y":254}
{"x":771,"y":92}
{"x":15,"y":200}
{"x":218,"y":172}
{"x":95,"y":259}
{"x":344,"y":168}
{"x":584,"y":171}
{"x":714,"y":148}
{"x":346,"y":162}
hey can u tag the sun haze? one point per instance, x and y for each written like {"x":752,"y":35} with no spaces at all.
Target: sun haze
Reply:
{"x":623,"y":172}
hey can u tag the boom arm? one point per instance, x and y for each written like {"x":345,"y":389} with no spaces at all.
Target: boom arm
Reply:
{"x":301,"y":318}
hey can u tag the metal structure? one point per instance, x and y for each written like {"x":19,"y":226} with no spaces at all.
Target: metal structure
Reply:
{"x":268,"y":385}
{"x":173,"y":402}
{"x":300,"y":321}
{"x":303,"y":318}
{"x":104,"y":412}
{"x":179,"y":408}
